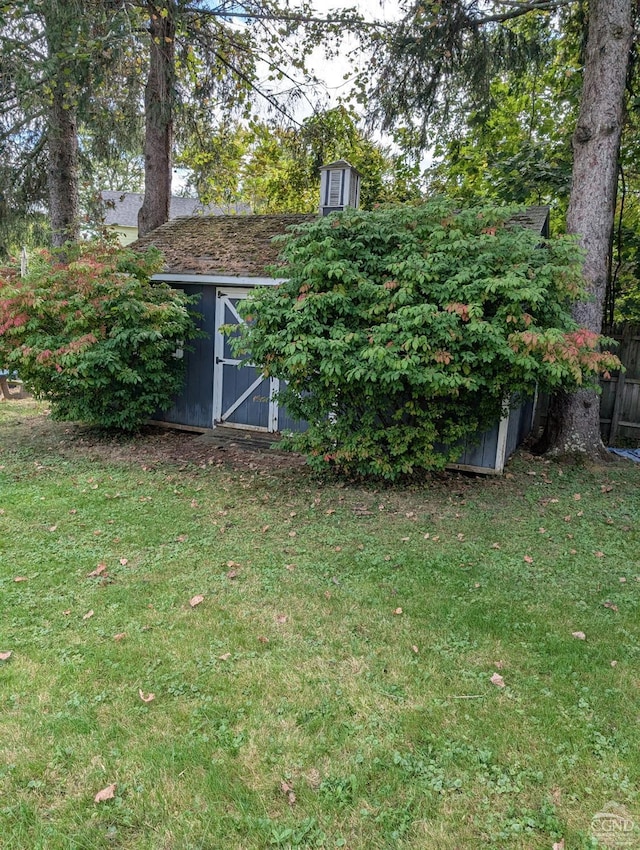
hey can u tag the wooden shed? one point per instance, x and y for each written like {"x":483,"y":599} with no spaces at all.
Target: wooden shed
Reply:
{"x":221,"y":259}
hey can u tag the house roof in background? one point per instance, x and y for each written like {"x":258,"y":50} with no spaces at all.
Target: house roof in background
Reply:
{"x":237,"y":245}
{"x":242,"y":245}
{"x":121,"y":208}
{"x":534,"y":218}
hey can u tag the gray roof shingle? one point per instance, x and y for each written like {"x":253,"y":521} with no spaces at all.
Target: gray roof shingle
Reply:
{"x":121,"y":208}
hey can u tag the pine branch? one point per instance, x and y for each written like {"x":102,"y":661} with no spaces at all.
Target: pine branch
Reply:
{"x":271,"y":99}
{"x":520,"y":9}
{"x":355,"y":20}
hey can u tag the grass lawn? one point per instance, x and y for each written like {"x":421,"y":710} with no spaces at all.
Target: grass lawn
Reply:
{"x":365,"y":668}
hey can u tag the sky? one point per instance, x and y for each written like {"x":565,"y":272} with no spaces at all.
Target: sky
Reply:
{"x":330,"y":73}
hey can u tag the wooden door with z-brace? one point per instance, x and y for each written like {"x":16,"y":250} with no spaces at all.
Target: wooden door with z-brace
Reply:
{"x":242,"y":396}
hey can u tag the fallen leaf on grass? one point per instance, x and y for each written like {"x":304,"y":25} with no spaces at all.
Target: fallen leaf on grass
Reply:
{"x":5,"y":656}
{"x":288,"y":790}
{"x":120,"y":636}
{"x":576,"y":497}
{"x":147,"y":698}
{"x":107,"y":793}
{"x":579,"y":635}
{"x":101,"y":568}
{"x":599,"y":554}
{"x":53,"y":527}
{"x":497,"y":680}
{"x":610,"y":605}
{"x":87,"y":615}
{"x":290,"y":567}
{"x":614,"y":663}
{"x":263,"y":639}
{"x":282,"y":619}
{"x":558,"y":845}
{"x":123,"y":562}
{"x":495,"y":545}
{"x":528,"y":559}
{"x":414,"y":648}
{"x":398,"y":611}
{"x":24,"y":578}
{"x":225,"y":657}
{"x":606,"y":488}
{"x":196,"y":600}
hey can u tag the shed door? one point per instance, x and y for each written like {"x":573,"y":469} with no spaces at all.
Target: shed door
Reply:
{"x":243,"y":397}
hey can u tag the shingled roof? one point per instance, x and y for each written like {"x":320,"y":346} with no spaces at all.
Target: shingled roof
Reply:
{"x":534,"y":218}
{"x":121,"y":208}
{"x":242,"y":245}
{"x":236,"y":245}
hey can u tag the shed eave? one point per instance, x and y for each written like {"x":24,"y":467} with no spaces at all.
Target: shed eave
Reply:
{"x":217,"y":279}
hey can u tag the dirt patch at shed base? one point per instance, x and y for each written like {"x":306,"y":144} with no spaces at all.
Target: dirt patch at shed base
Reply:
{"x":28,"y":422}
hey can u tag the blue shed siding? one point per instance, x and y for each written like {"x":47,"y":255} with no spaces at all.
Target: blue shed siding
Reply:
{"x":194,"y":406}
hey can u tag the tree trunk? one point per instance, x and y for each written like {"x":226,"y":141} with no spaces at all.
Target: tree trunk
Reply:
{"x":158,"y":105}
{"x":574,"y":419}
{"x":62,"y":138}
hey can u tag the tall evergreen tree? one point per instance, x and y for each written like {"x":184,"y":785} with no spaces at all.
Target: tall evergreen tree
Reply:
{"x":55,"y":55}
{"x":574,"y":421}
{"x":158,"y":110}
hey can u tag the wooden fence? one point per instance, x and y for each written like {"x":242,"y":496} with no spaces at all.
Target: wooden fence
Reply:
{"x":620,"y":401}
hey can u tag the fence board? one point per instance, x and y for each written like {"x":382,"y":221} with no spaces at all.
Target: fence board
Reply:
{"x":620,"y":402}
